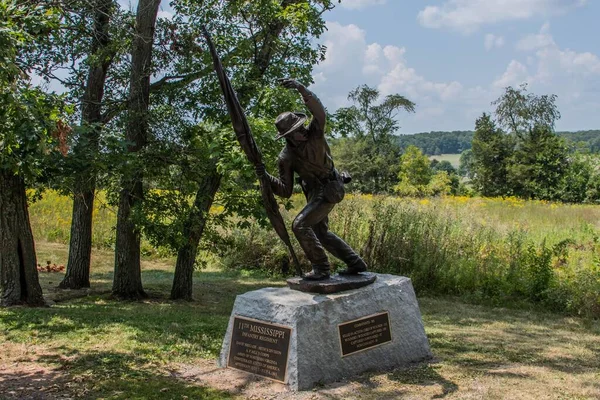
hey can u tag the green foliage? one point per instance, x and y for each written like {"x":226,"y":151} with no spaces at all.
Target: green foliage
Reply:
{"x":465,"y":168}
{"x":519,"y":112}
{"x":457,"y":142}
{"x":489,"y":250}
{"x":32,"y":126}
{"x":443,"y":165}
{"x":538,"y":270}
{"x":368,"y":149}
{"x":372,"y":171}
{"x":418,"y":179}
{"x":589,"y":140}
{"x":538,"y":165}
{"x":490,"y":158}
{"x":415,"y":167}
{"x":532,"y":162}
{"x":366,"y":118}
{"x":250,"y":246}
{"x":442,"y":183}
{"x":191,"y":140}
{"x":445,"y":250}
{"x":580,"y":181}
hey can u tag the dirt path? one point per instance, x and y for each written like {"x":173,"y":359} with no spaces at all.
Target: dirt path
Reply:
{"x":25,"y":375}
{"x":206,"y":373}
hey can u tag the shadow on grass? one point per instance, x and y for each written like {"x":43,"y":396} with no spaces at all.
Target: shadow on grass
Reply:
{"x":179,"y":328}
{"x":138,"y":338}
{"x":424,"y":375}
{"x":144,"y":336}
{"x":125,"y":376}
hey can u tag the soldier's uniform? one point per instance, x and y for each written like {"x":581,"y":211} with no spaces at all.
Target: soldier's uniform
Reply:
{"x":311,"y":160}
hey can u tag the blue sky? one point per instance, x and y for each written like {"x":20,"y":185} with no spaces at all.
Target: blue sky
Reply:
{"x":453,"y":57}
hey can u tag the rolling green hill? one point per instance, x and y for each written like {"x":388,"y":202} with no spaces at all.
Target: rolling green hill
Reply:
{"x":455,"y":142}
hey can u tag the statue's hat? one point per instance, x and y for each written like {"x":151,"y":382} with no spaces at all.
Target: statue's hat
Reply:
{"x":288,"y":122}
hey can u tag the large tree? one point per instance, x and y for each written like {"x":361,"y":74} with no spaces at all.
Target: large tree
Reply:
{"x":491,"y":153}
{"x":369,"y":149}
{"x":538,"y":165}
{"x":30,"y":130}
{"x":99,"y":59}
{"x":127,"y":281}
{"x":86,"y":55}
{"x":259,"y":41}
{"x":532,"y":160}
{"x":518,"y":111}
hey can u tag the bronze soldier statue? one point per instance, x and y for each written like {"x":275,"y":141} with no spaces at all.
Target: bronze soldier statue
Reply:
{"x":307,"y":154}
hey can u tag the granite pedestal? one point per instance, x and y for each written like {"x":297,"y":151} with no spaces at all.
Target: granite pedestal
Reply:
{"x":303,"y":339}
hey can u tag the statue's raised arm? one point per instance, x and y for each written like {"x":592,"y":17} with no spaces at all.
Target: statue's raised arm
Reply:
{"x":312,"y":102}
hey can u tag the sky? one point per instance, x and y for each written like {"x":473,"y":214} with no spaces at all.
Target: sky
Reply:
{"x":454,"y":57}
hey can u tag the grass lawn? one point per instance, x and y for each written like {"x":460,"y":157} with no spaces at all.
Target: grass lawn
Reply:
{"x":88,"y":346}
{"x":454,"y":159}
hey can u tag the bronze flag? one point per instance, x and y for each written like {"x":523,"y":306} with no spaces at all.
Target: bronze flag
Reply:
{"x":246,"y":140}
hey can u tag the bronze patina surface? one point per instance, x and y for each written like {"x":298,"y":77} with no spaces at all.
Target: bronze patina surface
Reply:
{"x":335,"y":284}
{"x":364,"y":333}
{"x":306,"y":155}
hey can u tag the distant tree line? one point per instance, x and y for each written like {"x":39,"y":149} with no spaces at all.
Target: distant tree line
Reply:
{"x":436,"y":143}
{"x":455,"y":142}
{"x":514,"y":152}
{"x":588,"y":140}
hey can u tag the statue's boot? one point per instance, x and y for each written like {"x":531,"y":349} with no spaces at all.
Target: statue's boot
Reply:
{"x":355,"y":268}
{"x":317,"y":275}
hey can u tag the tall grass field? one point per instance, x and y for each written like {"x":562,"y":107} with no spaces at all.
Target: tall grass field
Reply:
{"x":498,"y":251}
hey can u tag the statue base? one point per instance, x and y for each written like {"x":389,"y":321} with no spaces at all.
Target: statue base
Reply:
{"x":302,"y":339}
{"x":335,"y":284}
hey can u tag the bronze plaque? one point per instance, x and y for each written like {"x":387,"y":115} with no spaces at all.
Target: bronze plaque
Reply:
{"x":365,"y":333}
{"x":260,"y":348}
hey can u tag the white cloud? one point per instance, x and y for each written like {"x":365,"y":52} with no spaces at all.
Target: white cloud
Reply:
{"x":343,"y":42}
{"x":405,"y":80}
{"x":573,"y":76}
{"x":492,"y":41}
{"x":372,"y":59}
{"x":467,"y":16}
{"x":515,"y":74}
{"x":534,"y":42}
{"x":554,"y":64}
{"x":360,"y":4}
{"x":351,"y":61}
{"x":447,"y":104}
{"x":319,"y":78}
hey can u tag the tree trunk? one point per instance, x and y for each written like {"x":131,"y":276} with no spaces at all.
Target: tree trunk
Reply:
{"x":19,"y":283}
{"x":127,"y":283}
{"x":80,"y":244}
{"x":127,"y":279}
{"x":193,"y":230}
